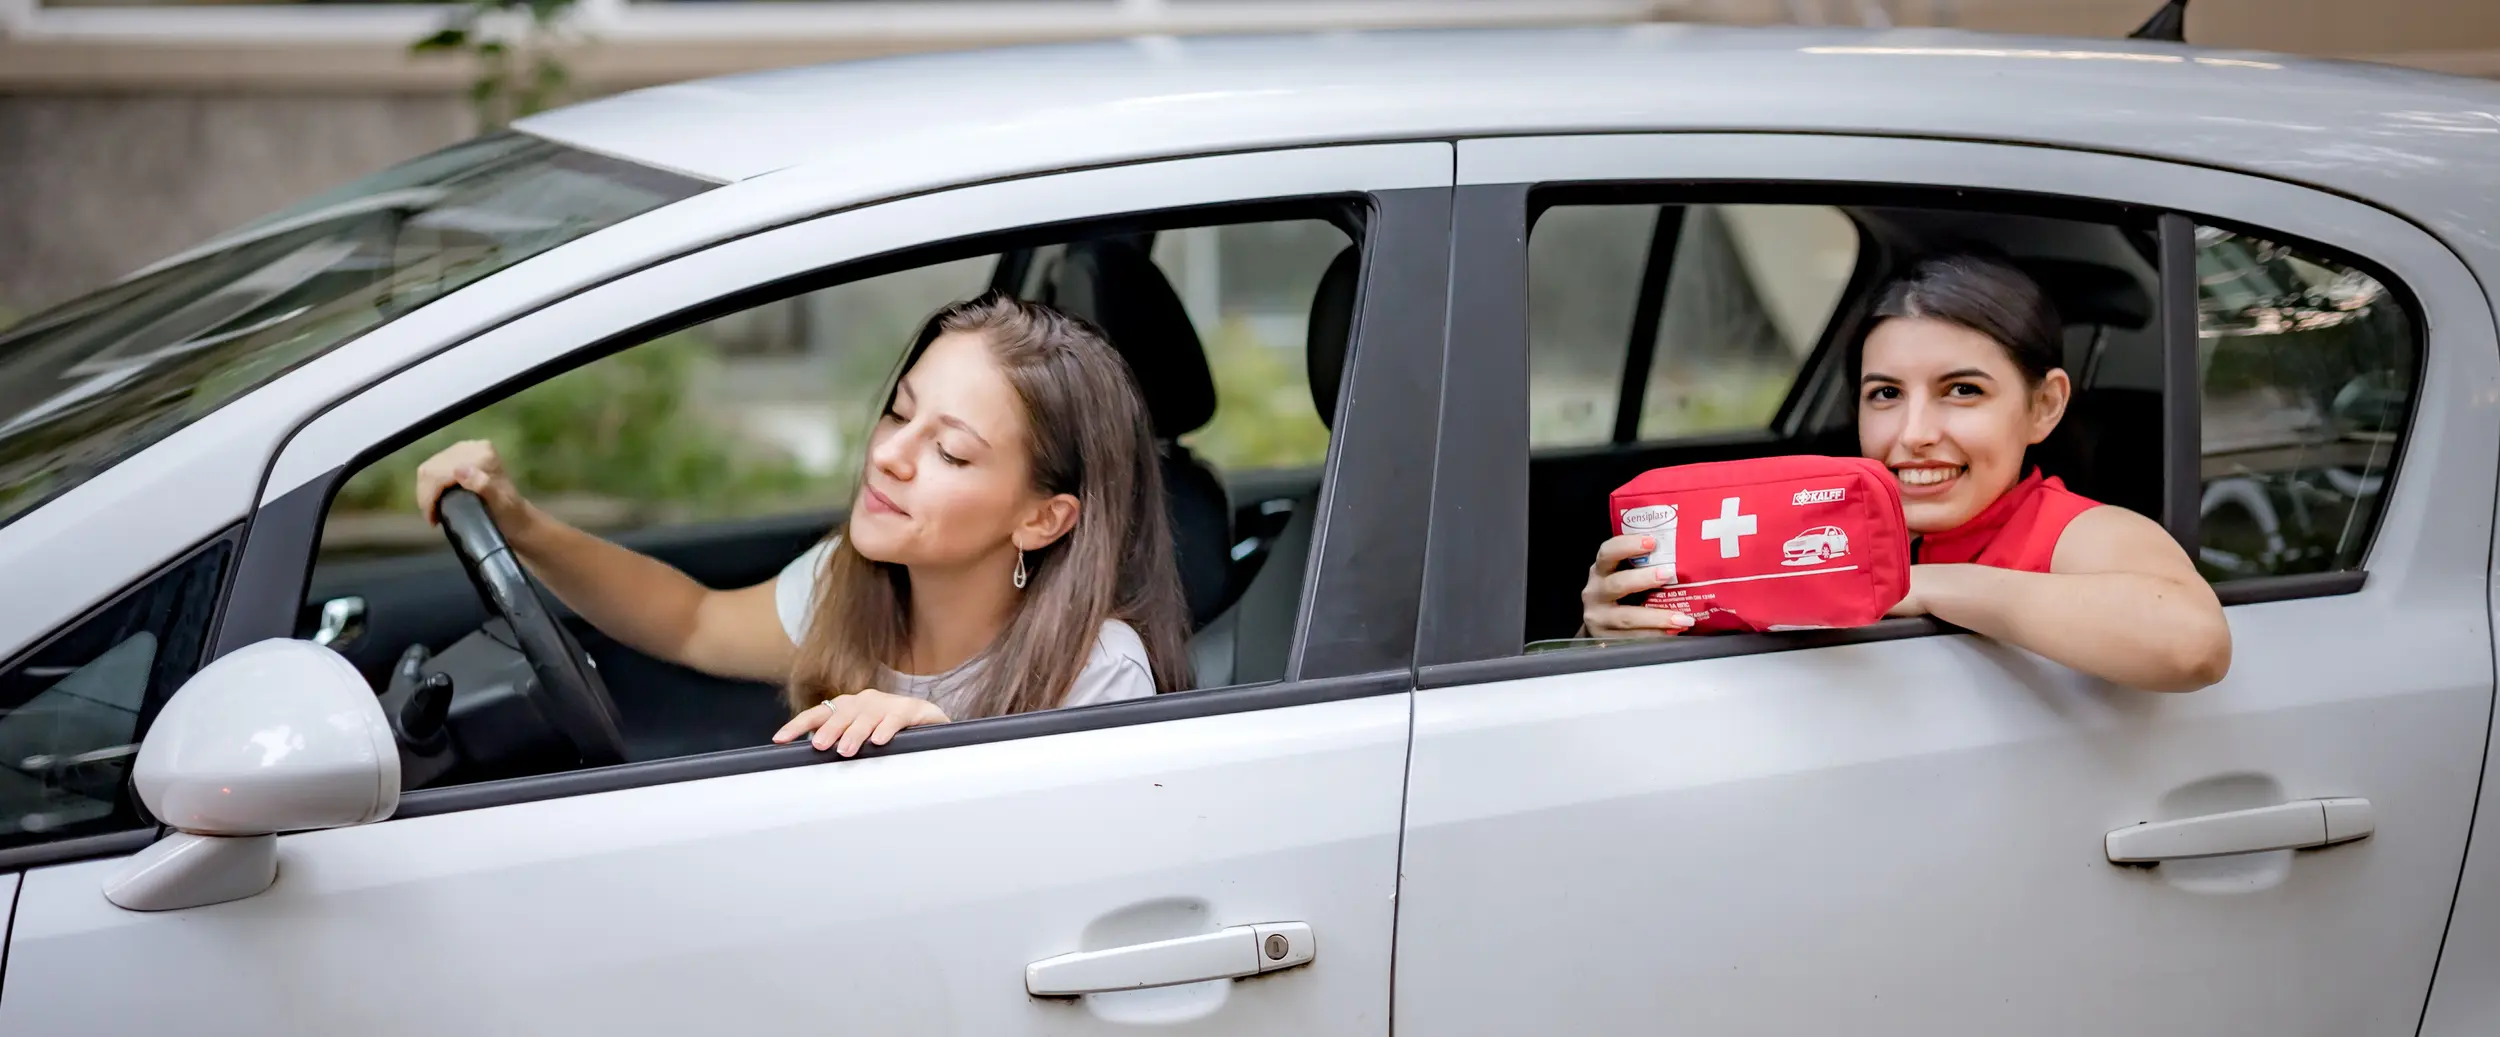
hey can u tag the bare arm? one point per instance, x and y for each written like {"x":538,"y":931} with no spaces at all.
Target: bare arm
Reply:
{"x":639,"y":600}
{"x":654,"y":608}
{"x":2121,"y":602}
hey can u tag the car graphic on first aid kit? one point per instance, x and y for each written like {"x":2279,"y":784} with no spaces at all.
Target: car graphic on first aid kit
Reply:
{"x":1820,"y":544}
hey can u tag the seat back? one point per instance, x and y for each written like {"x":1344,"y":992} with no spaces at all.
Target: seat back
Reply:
{"x":1115,"y":283}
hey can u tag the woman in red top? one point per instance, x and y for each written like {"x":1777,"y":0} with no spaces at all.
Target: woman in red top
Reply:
{"x":1957,"y":383}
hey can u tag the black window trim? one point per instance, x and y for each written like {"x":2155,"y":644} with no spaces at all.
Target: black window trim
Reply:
{"x":1648,"y":308}
{"x":2182,"y":388}
{"x":2253,"y":591}
{"x":1365,"y":566}
{"x":1479,"y":524}
{"x":101,"y":844}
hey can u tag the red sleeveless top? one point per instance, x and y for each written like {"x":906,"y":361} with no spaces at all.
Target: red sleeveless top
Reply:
{"x":2018,"y":531}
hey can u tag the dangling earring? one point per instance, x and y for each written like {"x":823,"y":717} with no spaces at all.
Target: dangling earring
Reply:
{"x":1021,"y":576}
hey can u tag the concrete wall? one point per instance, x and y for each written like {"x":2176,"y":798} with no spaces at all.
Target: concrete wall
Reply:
{"x":93,"y":186}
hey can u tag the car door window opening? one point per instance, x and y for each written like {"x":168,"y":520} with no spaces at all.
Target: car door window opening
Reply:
{"x":2294,"y":341}
{"x":1131,"y":273}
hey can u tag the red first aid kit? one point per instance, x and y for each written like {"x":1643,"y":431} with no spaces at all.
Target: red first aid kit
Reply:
{"x":1774,"y":543}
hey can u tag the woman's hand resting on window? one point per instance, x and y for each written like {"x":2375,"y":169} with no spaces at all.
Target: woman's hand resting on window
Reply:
{"x":1602,"y":615}
{"x":871,"y":717}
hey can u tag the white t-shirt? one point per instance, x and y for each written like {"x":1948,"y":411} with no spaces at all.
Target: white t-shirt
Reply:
{"x":1116,"y":669}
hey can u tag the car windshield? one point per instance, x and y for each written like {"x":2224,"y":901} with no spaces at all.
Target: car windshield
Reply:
{"x":96,"y":379}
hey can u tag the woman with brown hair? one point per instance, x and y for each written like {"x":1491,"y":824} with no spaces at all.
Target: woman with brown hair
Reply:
{"x":1007,"y":549}
{"x":1960,"y":390}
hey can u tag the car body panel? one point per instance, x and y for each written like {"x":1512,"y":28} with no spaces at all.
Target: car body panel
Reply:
{"x":895,"y":895}
{"x":1802,"y":837}
{"x":1905,"y":834}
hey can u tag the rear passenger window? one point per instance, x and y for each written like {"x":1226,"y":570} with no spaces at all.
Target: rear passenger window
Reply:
{"x":2308,"y":378}
{"x":1654,"y":323}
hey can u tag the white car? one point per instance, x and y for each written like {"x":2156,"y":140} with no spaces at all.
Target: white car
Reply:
{"x":1820,"y":544}
{"x":1524,"y":267}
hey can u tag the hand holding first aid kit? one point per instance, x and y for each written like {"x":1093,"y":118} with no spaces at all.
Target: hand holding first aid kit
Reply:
{"x":1775,"y":543}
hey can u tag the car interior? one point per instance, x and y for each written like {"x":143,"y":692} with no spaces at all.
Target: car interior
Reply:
{"x":1233,"y":531}
{"x":529,"y":688}
{"x":2100,"y":273}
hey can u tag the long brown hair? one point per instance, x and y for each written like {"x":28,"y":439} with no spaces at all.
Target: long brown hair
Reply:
{"x":1088,"y":437}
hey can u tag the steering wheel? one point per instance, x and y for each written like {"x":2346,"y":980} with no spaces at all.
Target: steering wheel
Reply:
{"x":568,"y":691}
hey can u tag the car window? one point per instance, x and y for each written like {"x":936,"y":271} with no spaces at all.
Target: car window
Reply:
{"x":95,"y":379}
{"x":1711,"y":309}
{"x":1747,"y":298}
{"x":70,"y":710}
{"x":731,"y":447}
{"x":1585,"y":264}
{"x":757,"y":413}
{"x":1249,"y":287}
{"x":2308,"y":379}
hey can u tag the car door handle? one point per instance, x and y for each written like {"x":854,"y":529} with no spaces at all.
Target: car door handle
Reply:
{"x":342,"y":619}
{"x":2284,"y":826}
{"x":1243,"y":950}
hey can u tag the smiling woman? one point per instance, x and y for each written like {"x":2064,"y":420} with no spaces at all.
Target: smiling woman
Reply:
{"x":1960,"y":387}
{"x":1007,"y":551}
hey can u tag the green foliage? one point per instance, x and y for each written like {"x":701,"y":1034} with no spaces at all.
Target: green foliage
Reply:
{"x":623,"y":429}
{"x":1263,"y":416}
{"x":512,"y":81}
{"x":1727,"y":397}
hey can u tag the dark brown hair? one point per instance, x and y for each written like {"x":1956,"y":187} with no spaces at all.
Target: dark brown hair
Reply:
{"x":1087,"y":436}
{"x":1989,"y":295}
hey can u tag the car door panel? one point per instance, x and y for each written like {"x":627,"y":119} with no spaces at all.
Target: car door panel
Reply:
{"x":775,"y":891}
{"x":1908,"y":835}
{"x":896,"y":894}
{"x":1902,"y":831}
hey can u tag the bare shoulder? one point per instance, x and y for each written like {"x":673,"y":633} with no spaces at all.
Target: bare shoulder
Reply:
{"x":2110,"y":539}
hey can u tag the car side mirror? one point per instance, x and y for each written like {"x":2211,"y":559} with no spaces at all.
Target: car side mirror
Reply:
{"x":279,"y":736}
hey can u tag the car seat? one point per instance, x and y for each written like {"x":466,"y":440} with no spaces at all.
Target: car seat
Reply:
{"x":1250,"y":642}
{"x":2114,"y":430}
{"x":1115,"y":283}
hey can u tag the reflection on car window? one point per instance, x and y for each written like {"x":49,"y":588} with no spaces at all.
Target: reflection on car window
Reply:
{"x":2308,"y":378}
{"x":70,"y":710}
{"x":93,"y":380}
{"x":1739,"y":296}
{"x":1747,"y":298}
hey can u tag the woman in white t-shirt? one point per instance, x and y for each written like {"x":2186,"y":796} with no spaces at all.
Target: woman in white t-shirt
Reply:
{"x":1007,"y":550}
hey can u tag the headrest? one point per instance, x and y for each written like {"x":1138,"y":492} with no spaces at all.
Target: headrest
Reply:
{"x":2089,"y":293}
{"x":1115,"y":284}
{"x":1332,"y":325}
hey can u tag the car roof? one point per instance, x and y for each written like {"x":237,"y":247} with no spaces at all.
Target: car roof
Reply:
{"x":2415,"y":142}
{"x":1134,"y":98}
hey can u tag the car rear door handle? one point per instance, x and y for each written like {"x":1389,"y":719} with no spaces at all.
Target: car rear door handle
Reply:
{"x":2284,"y":826}
{"x":1243,"y":950}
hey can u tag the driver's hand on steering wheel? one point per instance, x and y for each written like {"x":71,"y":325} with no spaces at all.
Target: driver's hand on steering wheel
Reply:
{"x":472,"y":465}
{"x":870,"y":717}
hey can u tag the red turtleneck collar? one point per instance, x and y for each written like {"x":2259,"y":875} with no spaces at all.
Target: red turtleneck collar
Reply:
{"x":2019,"y":530}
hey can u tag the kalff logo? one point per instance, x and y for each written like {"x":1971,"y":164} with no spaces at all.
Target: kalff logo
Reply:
{"x":1819,"y":496}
